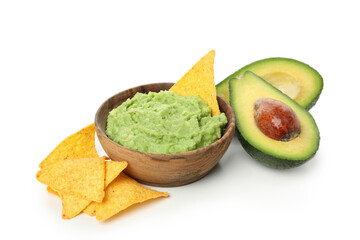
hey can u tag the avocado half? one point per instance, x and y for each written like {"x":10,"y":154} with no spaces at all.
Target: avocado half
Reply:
{"x":245,"y":91}
{"x":296,"y":79}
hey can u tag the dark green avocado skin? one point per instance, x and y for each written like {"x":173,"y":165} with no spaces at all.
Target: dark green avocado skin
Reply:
{"x":266,"y":159}
{"x":313,"y":102}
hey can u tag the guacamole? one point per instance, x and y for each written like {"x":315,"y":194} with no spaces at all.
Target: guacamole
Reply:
{"x":164,"y":122}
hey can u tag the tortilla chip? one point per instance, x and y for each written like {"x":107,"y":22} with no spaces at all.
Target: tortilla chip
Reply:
{"x":79,"y":145}
{"x":122,"y":193}
{"x":83,"y":178}
{"x":199,"y":80}
{"x":72,"y":205}
{"x":52,"y":191}
{"x":90,"y":209}
{"x":113,"y":169}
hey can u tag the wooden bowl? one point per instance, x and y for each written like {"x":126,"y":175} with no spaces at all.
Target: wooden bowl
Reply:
{"x":165,"y":170}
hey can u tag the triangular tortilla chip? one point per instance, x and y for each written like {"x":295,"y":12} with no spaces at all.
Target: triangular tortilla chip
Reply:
{"x":112,"y":170}
{"x":122,"y":193}
{"x":72,"y":205}
{"x":52,"y":191}
{"x":83,"y":178}
{"x":91,"y":209}
{"x":199,"y":80}
{"x":78,"y":145}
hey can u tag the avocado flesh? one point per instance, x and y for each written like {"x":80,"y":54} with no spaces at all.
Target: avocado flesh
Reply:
{"x":296,"y":79}
{"x":244,"y":92}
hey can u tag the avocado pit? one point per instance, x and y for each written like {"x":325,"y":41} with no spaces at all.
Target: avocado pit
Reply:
{"x":276,"y":120}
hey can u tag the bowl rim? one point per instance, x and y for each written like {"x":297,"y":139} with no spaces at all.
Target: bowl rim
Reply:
{"x":230,"y":127}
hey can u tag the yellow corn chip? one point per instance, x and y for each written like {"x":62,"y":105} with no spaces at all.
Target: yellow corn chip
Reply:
{"x":83,"y":178}
{"x":90,"y":209}
{"x":79,"y":145}
{"x":199,"y":80}
{"x":113,"y":169}
{"x":72,"y":205}
{"x":108,"y":170}
{"x":52,"y":191}
{"x":122,"y":193}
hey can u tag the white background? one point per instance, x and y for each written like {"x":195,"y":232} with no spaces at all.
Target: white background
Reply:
{"x":59,"y":60}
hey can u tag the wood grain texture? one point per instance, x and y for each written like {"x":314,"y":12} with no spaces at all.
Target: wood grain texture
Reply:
{"x":166,"y":170}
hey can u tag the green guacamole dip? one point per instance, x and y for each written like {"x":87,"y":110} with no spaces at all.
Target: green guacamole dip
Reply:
{"x":164,"y":122}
